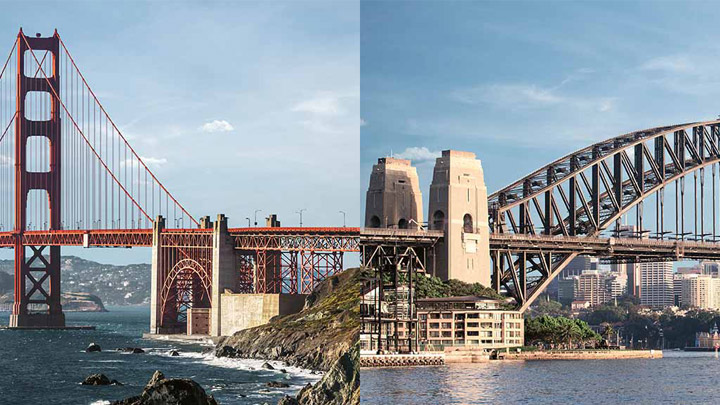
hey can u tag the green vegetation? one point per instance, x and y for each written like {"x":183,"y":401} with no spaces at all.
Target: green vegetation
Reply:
{"x":546,"y":306}
{"x":637,"y":327}
{"x":559,"y":331}
{"x":433,"y":287}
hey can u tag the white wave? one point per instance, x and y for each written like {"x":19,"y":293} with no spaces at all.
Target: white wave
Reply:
{"x":100,"y":402}
{"x":251,"y":365}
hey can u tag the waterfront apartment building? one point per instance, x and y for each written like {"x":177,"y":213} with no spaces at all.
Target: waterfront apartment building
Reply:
{"x":656,"y":284}
{"x":469,"y":321}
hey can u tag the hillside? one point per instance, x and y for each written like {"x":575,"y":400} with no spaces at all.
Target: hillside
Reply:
{"x":114,"y":285}
{"x":323,"y":336}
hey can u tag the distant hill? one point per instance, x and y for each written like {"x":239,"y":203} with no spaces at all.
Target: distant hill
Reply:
{"x":114,"y":285}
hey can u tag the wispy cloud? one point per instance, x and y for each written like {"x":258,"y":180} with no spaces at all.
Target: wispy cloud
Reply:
{"x":670,"y":64}
{"x":508,"y":94}
{"x":362,"y":122}
{"x":530,"y":96}
{"x":324,"y":104}
{"x":419,"y":154}
{"x":216,"y":126}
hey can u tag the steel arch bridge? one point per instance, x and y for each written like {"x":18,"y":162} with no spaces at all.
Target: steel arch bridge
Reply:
{"x":654,"y":179}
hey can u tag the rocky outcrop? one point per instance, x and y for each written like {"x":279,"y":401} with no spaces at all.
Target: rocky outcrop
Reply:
{"x":170,"y":391}
{"x":81,"y":302}
{"x":323,"y":336}
{"x":339,"y":386}
{"x":99,"y":379}
{"x":314,"y":338}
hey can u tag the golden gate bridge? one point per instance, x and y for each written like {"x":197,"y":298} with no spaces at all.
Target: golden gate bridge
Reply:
{"x":70,"y":178}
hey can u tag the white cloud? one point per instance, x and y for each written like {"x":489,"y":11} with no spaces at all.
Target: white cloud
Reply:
{"x":327,"y":104}
{"x":418,"y":154}
{"x":216,"y":126}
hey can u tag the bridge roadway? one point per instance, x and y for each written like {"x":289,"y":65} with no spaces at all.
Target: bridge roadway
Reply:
{"x":619,"y":248}
{"x":327,"y":239}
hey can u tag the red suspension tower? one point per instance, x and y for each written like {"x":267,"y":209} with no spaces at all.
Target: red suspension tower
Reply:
{"x":37,"y":275}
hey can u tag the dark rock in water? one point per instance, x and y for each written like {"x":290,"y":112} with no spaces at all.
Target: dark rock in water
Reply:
{"x":174,"y":353}
{"x":282,"y":370}
{"x":226,"y":351}
{"x":96,"y":379}
{"x":267,"y":366}
{"x":171,"y":391}
{"x":277,"y":384}
{"x":116,"y":382}
{"x":93,"y":347}
{"x":130,"y":350}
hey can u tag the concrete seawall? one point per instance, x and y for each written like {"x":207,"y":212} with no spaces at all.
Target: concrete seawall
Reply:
{"x":401,"y":360}
{"x":476,"y":356}
{"x":584,"y":355}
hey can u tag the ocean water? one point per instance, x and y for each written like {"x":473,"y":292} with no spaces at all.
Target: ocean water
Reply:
{"x":46,"y":367}
{"x":679,"y":378}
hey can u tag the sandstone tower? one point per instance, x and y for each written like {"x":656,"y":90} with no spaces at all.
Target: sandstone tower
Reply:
{"x":393,"y":198}
{"x":458,"y":206}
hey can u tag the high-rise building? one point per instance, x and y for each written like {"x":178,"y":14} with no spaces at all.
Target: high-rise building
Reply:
{"x":458,"y":206}
{"x":579,"y":265}
{"x":566,"y":289}
{"x":656,"y":284}
{"x":711,"y":268}
{"x":630,"y":270}
{"x":591,"y":287}
{"x":393,"y":197}
{"x":700,"y":291}
{"x":616,"y":285}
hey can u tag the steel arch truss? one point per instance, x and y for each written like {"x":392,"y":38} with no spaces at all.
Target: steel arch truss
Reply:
{"x":586,"y":192}
{"x":187,"y":285}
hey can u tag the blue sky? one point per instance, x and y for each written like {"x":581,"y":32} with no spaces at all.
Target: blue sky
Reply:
{"x":238,"y":106}
{"x":523,"y":83}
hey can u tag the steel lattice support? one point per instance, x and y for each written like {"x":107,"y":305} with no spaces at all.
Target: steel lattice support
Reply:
{"x":395,"y":260}
{"x":246,"y":272}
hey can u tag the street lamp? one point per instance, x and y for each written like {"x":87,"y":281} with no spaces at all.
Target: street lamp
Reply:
{"x":343,"y":212}
{"x":256,"y":211}
{"x":248,"y":218}
{"x":300,"y":212}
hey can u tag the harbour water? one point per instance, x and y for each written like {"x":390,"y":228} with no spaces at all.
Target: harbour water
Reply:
{"x":679,"y":377}
{"x":46,"y":367}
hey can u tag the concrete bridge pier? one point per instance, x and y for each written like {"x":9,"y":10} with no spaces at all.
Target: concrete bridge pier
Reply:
{"x":156,"y":278}
{"x":224,"y":274}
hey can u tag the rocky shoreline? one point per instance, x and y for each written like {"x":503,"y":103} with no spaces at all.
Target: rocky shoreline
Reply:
{"x":322,"y":337}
